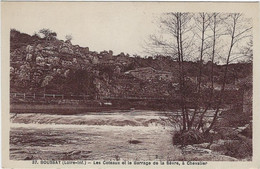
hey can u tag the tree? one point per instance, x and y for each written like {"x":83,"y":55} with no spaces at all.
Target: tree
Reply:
{"x":216,"y":33}
{"x":247,"y":51}
{"x":68,"y":37}
{"x":48,"y":34}
{"x":177,"y":25}
{"x":202,"y":22}
{"x":237,"y":31}
{"x":80,"y":82}
{"x":186,"y":36}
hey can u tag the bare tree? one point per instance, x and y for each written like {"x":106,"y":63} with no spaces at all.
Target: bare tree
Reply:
{"x":236,"y":31}
{"x":215,"y":22}
{"x":178,"y":26}
{"x":202,"y":22}
{"x":180,"y":36}
{"x":175,"y":41}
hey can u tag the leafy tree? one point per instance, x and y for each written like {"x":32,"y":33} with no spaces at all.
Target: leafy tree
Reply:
{"x":48,"y":34}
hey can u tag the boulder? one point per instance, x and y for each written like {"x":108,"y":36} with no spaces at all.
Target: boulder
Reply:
{"x":28,"y":57}
{"x":95,"y":60}
{"x":49,"y":48}
{"x":218,"y":148}
{"x":226,"y":158}
{"x":223,"y":146}
{"x":66,"y":50}
{"x":191,"y":149}
{"x":39,"y":59}
{"x":68,"y":42}
{"x":28,"y":158}
{"x":134,"y":141}
{"x":66,"y":73}
{"x":246,"y":130}
{"x":38,"y":54}
{"x":42,"y":64}
{"x":50,"y":59}
{"x":74,"y":60}
{"x":29,"y":49}
{"x":59,"y":71}
{"x":12,"y":70}
{"x":46,"y":80}
{"x":223,"y":142}
{"x":38,"y":47}
{"x":66,"y":63}
{"x":56,"y":61}
{"x":48,"y":52}
{"x":202,"y":145}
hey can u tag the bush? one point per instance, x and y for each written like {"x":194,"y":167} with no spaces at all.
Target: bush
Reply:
{"x":242,"y":149}
{"x":234,"y":118}
{"x":227,"y":133}
{"x":188,"y":137}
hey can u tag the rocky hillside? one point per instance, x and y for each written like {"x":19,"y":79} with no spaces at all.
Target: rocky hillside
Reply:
{"x":42,"y":65}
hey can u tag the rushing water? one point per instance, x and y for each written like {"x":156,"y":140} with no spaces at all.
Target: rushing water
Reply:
{"x":135,"y":135}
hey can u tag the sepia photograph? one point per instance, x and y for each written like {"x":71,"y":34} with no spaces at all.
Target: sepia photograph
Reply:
{"x":105,"y":83}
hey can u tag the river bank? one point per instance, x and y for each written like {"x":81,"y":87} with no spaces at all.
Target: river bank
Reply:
{"x":113,"y":135}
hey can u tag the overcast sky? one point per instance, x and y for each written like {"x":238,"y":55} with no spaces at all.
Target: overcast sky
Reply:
{"x":121,"y":29}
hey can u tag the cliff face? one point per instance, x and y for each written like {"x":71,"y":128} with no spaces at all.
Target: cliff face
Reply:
{"x":54,"y":66}
{"x":41,"y":65}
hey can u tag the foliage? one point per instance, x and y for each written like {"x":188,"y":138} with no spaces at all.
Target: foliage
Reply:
{"x":68,"y":37}
{"x":188,"y":137}
{"x":242,"y":149}
{"x":48,"y":34}
{"x":80,"y":81}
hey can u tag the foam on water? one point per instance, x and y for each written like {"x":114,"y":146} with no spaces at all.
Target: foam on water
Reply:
{"x":90,"y":136}
{"x":100,"y":119}
{"x":98,"y":127}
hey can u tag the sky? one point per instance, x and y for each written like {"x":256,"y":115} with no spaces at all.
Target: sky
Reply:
{"x":113,"y":27}
{"x":117,"y":26}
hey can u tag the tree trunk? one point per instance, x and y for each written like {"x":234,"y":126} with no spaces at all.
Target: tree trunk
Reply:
{"x":225,"y":75}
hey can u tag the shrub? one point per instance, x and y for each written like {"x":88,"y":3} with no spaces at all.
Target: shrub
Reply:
{"x":188,"y":137}
{"x":242,"y":149}
{"x":234,"y":118}
{"x":227,"y":133}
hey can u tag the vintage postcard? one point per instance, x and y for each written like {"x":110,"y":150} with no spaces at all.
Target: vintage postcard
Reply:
{"x":130,"y":85}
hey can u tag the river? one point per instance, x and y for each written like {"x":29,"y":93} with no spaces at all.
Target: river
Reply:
{"x":118,"y":135}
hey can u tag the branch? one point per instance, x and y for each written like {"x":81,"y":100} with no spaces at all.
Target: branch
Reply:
{"x":235,"y":41}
